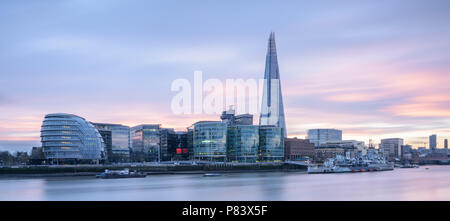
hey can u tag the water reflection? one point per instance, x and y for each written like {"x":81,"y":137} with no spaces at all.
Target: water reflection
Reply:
{"x":400,"y":184}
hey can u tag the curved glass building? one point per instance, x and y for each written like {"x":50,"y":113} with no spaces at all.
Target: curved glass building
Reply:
{"x":243,"y":142}
{"x":271,"y":143}
{"x":67,"y":137}
{"x":210,"y":140}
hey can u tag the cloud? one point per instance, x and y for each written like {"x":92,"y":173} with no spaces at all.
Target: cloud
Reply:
{"x":359,"y":66}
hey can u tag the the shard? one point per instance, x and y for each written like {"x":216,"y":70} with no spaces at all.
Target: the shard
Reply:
{"x":272,"y":111}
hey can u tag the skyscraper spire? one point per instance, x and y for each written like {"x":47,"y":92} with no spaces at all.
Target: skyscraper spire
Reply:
{"x":272,"y":110}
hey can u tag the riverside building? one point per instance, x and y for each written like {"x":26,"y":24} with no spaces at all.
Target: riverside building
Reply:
{"x":67,"y":138}
{"x":433,"y":142}
{"x":271,"y":144}
{"x":146,"y":143}
{"x":243,"y":143}
{"x":117,"y":141}
{"x":210,"y":140}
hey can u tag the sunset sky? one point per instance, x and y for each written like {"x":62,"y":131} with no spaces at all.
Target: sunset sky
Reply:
{"x":375,"y":69}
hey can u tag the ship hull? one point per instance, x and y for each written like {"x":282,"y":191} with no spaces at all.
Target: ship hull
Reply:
{"x":116,"y":176}
{"x":374,"y":168}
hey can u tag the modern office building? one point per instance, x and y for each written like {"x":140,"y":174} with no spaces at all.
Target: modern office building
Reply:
{"x":210,"y":140}
{"x":272,"y":110}
{"x":445,"y":144}
{"x":182,"y":149}
{"x":70,"y":139}
{"x":323,"y":136}
{"x":298,"y":149}
{"x":117,"y":141}
{"x":146,"y":143}
{"x":168,"y":143}
{"x":107,"y":140}
{"x":243,"y":143}
{"x":271,"y":144}
{"x":433,"y":142}
{"x":231,"y":119}
{"x":391,"y":148}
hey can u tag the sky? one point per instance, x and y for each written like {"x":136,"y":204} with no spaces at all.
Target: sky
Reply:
{"x":375,"y":69}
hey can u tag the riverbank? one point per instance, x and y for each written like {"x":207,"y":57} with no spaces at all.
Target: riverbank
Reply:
{"x":92,"y":170}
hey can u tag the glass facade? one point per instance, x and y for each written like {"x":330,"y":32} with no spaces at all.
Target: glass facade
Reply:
{"x":271,"y":144}
{"x":70,"y":137}
{"x":209,"y":140}
{"x":322,"y":136}
{"x":120,"y":145}
{"x":168,"y":143}
{"x":242,"y":143}
{"x":182,"y":149}
{"x":146,"y":142}
{"x":272,"y":110}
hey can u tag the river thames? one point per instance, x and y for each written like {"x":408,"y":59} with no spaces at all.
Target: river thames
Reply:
{"x":400,"y":184}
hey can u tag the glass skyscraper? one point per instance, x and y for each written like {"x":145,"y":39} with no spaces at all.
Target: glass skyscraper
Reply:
{"x":242,"y":143}
{"x":70,"y":138}
{"x":210,"y":140}
{"x":271,"y":144}
{"x":272,"y":110}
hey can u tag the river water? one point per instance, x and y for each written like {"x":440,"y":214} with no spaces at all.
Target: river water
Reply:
{"x":400,"y":184}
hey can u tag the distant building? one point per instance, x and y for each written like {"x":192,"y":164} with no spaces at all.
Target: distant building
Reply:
{"x":433,"y":142}
{"x":243,"y":143}
{"x":406,"y":151}
{"x":210,"y":140}
{"x":298,"y":149}
{"x":391,"y":148}
{"x":21,"y":157}
{"x":359,"y":145}
{"x":446,"y":144}
{"x":117,"y":141}
{"x":271,"y":143}
{"x":146,"y":142}
{"x":70,"y":138}
{"x":231,"y":119}
{"x":322,"y":136}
